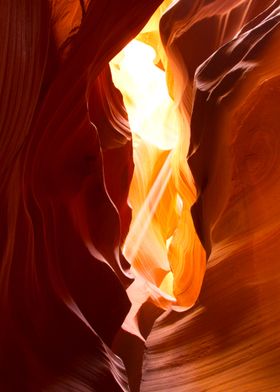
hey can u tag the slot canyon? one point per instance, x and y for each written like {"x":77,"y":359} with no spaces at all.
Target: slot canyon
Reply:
{"x":139,"y":195}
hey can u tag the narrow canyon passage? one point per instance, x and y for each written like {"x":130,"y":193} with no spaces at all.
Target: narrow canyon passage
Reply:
{"x":139,"y":196}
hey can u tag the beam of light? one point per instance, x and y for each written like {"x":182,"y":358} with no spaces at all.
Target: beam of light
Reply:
{"x":166,"y":257}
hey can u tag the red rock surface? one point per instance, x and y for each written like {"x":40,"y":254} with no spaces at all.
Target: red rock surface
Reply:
{"x":66,"y":166}
{"x":62,"y":221}
{"x":230,"y":340}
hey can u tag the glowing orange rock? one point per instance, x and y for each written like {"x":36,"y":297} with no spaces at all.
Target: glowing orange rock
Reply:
{"x":230,"y":340}
{"x":167,"y":258}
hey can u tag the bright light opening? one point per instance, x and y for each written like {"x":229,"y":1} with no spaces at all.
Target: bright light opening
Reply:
{"x":162,"y":247}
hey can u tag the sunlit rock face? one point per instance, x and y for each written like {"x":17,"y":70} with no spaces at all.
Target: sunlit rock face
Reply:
{"x":167,"y":259}
{"x":230,"y":340}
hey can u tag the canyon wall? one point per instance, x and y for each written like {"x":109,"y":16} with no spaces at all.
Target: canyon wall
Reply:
{"x":230,"y":340}
{"x":66,"y":169}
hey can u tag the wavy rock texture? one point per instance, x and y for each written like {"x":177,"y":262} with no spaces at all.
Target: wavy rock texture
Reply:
{"x":230,"y":340}
{"x":191,"y":31}
{"x":66,"y":167}
{"x":62,"y":221}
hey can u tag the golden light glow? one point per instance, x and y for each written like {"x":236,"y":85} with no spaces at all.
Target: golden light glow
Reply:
{"x":166,"y":256}
{"x":150,"y":109}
